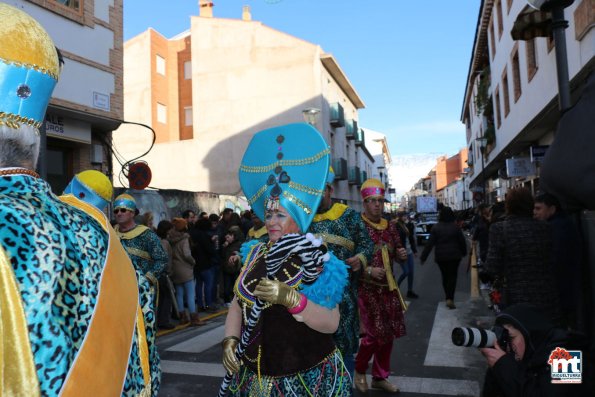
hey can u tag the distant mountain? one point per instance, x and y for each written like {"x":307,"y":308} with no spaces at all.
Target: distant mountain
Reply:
{"x":407,"y":169}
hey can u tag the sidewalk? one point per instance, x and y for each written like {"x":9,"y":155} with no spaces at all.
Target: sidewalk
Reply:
{"x":179,"y":327}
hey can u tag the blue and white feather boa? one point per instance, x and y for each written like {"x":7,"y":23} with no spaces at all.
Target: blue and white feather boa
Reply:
{"x":327,"y":289}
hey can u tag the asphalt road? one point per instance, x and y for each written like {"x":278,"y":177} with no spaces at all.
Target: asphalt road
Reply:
{"x":423,"y":363}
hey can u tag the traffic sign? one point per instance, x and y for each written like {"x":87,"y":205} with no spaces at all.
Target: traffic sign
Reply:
{"x":139,"y":175}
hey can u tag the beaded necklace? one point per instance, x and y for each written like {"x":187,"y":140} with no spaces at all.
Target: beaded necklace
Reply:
{"x":19,"y":171}
{"x":244,"y":281}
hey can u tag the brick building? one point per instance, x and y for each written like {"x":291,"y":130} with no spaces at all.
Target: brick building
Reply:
{"x":207,"y":90}
{"x":87,"y":103}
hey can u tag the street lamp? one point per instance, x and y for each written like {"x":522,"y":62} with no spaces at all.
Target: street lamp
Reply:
{"x":311,"y":115}
{"x":559,"y":25}
{"x":483,"y":143}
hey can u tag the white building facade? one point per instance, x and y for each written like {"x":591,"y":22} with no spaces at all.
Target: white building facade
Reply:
{"x":511,"y":94}
{"x":379,"y":168}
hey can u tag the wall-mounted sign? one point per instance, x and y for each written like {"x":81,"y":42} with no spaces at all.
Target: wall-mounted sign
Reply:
{"x":520,"y":166}
{"x":427,"y":204}
{"x":538,"y":152}
{"x":69,"y":129}
{"x":101,"y":101}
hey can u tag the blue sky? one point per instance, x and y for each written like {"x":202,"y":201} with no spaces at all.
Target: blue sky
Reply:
{"x":408,"y":60}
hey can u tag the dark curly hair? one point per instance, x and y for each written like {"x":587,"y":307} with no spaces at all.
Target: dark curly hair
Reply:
{"x":163,"y":227}
{"x":446,"y":215}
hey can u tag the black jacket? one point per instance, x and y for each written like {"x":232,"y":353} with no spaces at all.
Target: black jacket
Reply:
{"x":520,"y":255}
{"x":409,"y":237}
{"x":449,"y":241}
{"x":203,"y":250}
{"x":531,"y":377}
{"x":481,"y":235}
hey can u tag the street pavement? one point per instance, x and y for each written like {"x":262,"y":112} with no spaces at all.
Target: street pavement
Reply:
{"x":423,"y":363}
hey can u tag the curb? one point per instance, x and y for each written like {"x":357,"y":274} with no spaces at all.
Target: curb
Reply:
{"x":184,"y":326}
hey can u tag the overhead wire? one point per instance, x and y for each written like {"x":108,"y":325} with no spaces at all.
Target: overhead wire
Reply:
{"x":125,"y":166}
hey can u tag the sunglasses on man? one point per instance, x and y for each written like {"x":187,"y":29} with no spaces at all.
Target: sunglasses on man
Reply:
{"x":120,"y":210}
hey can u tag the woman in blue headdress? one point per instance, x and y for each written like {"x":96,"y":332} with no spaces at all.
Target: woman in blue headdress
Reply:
{"x":287,"y":348}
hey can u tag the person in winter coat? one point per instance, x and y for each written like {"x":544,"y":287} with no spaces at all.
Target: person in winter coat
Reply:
{"x":451,"y":247}
{"x":520,"y":256}
{"x":204,"y":252}
{"x":164,"y":306}
{"x":183,"y":271}
{"x":406,"y":231}
{"x":231,"y":266}
{"x":481,"y":232}
{"x":523,"y":368}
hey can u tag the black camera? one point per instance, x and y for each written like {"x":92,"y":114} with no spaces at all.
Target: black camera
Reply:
{"x":479,"y":337}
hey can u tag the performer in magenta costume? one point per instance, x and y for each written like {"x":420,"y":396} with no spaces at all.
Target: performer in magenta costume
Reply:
{"x":380,"y":303}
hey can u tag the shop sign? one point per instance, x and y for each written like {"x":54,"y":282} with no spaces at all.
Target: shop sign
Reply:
{"x":538,"y":152}
{"x":68,"y":129}
{"x":101,"y":101}
{"x":520,"y":166}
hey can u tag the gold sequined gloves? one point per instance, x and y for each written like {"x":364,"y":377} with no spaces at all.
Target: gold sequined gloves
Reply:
{"x":277,"y":292}
{"x":230,"y":362}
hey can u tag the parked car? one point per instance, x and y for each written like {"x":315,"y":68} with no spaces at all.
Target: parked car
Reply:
{"x":422,"y":231}
{"x":423,"y":227}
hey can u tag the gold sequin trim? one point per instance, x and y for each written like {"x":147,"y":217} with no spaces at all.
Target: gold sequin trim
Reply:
{"x":338,"y":240}
{"x":31,"y":66}
{"x":14,"y":121}
{"x":297,"y":162}
{"x":378,"y":247}
{"x":382,"y":225}
{"x":137,"y":252}
{"x":257,"y":195}
{"x":305,"y":189}
{"x":298,"y":202}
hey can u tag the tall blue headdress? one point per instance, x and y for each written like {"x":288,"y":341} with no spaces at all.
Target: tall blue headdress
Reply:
{"x":286,"y":166}
{"x":29,"y":69}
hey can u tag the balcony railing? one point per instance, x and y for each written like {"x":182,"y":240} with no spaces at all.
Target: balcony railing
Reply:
{"x":359,"y":138}
{"x":337,"y":115}
{"x":355,"y":176}
{"x":351,"y":129}
{"x":340,"y":168}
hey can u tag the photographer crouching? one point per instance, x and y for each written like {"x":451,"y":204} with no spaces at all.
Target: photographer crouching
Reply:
{"x":522,"y":367}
